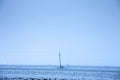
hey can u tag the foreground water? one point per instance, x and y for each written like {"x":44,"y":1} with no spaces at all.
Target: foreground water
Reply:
{"x":36,"y":72}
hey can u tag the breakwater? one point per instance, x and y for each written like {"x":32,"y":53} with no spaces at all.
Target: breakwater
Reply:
{"x":54,"y":73}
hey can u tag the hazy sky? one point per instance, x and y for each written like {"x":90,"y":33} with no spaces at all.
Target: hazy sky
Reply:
{"x":86,"y":32}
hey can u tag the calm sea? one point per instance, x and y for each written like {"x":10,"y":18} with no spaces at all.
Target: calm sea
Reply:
{"x":54,"y":72}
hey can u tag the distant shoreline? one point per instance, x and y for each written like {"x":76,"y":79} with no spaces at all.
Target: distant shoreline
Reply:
{"x":56,"y":67}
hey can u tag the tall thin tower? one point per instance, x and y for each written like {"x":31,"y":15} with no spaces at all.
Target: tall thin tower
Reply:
{"x":60,"y":66}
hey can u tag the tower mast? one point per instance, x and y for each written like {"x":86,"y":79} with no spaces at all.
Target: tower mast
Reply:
{"x":60,"y":66}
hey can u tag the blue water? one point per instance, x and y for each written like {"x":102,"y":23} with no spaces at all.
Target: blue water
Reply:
{"x":68,"y":72}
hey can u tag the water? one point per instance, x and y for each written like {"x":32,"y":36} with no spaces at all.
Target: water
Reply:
{"x":53,"y":72}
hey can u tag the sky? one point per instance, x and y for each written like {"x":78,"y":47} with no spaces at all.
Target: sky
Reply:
{"x":85,"y":32}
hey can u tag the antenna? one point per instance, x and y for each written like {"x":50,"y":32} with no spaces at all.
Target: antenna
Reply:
{"x":60,"y":66}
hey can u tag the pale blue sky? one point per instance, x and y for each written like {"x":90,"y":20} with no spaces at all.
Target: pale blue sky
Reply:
{"x":86,"y":32}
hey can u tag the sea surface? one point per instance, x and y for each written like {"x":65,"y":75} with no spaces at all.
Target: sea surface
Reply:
{"x":50,"y":72}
